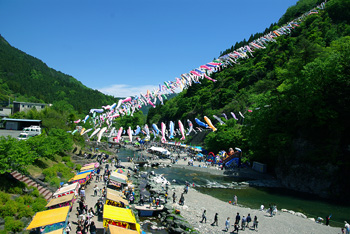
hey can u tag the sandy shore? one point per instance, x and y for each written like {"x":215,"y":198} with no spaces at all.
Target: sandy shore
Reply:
{"x":196,"y":202}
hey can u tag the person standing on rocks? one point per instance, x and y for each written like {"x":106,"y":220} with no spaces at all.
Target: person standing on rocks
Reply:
{"x":174,"y":197}
{"x":204,"y":216}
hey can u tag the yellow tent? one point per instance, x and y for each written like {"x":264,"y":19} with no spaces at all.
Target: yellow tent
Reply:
{"x":81,"y":179}
{"x":121,"y":217}
{"x":119,"y":230}
{"x":86,"y":168}
{"x":49,"y":217}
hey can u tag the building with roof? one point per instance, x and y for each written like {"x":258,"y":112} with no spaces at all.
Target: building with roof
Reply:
{"x":5,"y":111}
{"x":25,"y":106}
{"x":19,"y":124}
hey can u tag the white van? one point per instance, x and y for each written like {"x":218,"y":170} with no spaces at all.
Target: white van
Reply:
{"x":23,"y":136}
{"x":32,"y":130}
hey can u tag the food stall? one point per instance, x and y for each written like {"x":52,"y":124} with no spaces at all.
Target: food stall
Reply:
{"x":120,"y":217}
{"x":50,"y":220}
{"x":58,"y":231}
{"x":115,"y":192}
{"x":119,"y":230}
{"x":72,"y":188}
{"x":61,"y":202}
{"x":87,"y":171}
{"x":81,"y":179}
{"x":96,"y":164}
{"x":118,"y":180}
{"x":88,"y":167}
{"x":116,"y":200}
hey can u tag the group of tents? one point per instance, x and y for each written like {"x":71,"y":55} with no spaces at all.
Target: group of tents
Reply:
{"x":117,"y":217}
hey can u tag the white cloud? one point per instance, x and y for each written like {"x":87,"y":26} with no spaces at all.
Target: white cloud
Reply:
{"x":124,"y":90}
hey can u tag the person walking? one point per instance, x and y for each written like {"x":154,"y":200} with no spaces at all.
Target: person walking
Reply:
{"x":204,"y":216}
{"x":236,"y":227}
{"x":215,"y":220}
{"x":68,"y":228}
{"x":255,"y":223}
{"x":227,"y":224}
{"x":238,"y":218}
{"x":249,"y":219}
{"x":95,"y":190}
{"x":243,"y":224}
{"x":92,"y":228}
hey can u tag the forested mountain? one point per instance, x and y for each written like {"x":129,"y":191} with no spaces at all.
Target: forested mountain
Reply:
{"x":29,"y":79}
{"x":298,"y":91}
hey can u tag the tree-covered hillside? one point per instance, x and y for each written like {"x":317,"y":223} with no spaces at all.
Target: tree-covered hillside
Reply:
{"x":29,"y":79}
{"x":298,"y":91}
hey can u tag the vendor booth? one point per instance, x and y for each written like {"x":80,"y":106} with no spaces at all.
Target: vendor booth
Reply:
{"x":72,"y":188}
{"x":113,"y":199}
{"x":119,"y":230}
{"x":117,"y":180}
{"x":120,"y":217}
{"x":115,"y":193}
{"x":88,"y":167}
{"x":81,"y":179}
{"x":96,"y":164}
{"x":59,"y":231}
{"x":87,"y":171}
{"x":50,"y":220}
{"x":61,"y":202}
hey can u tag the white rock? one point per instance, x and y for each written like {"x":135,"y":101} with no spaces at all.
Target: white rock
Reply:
{"x":300,"y":215}
{"x":291,"y":212}
{"x":312,"y":219}
{"x":284,"y":210}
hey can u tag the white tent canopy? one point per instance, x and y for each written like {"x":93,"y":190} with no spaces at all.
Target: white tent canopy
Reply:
{"x":159,"y":149}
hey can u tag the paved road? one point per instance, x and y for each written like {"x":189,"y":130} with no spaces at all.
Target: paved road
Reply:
{"x":12,"y":133}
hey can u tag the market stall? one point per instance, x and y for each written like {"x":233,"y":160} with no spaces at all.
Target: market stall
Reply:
{"x":88,"y":167}
{"x":58,"y":231}
{"x":116,"y":200}
{"x":61,"y":202}
{"x":117,"y":180}
{"x":72,"y":188}
{"x":119,"y":230}
{"x":120,"y":217}
{"x":81,"y":179}
{"x":50,"y":220}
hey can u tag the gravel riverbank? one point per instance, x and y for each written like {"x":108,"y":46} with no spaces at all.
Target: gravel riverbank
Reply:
{"x":196,"y":203}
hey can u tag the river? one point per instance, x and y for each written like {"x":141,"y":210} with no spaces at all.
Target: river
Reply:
{"x":252,"y":197}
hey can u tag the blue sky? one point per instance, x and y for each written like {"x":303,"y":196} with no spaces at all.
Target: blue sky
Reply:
{"x":123,"y":48}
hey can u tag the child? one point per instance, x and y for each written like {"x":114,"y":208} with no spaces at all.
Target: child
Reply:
{"x":227,"y":224}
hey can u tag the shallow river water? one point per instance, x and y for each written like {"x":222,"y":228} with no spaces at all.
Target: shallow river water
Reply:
{"x":253,"y":197}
